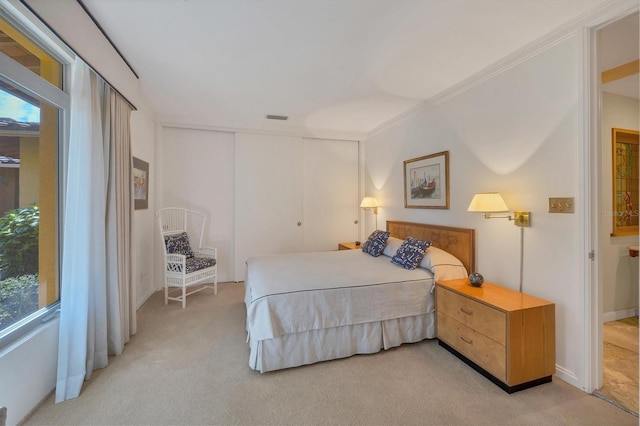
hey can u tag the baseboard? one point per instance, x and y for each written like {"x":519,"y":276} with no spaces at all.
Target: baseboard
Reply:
{"x":145,"y":297}
{"x":568,"y":377}
{"x":618,"y":315}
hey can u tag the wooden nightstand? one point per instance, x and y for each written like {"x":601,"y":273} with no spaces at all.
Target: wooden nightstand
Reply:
{"x":349,"y":246}
{"x":507,"y":336}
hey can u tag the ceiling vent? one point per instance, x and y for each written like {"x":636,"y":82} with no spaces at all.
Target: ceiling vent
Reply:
{"x":277,"y":117}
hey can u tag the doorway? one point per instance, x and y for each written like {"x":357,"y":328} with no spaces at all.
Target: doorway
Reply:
{"x":616,"y":47}
{"x":620,"y":363}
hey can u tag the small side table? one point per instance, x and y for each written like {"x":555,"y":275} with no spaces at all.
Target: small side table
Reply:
{"x":505,"y":335}
{"x":349,"y":246}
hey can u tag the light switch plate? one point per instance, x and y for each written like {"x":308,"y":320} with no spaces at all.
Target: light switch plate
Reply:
{"x":561,"y":205}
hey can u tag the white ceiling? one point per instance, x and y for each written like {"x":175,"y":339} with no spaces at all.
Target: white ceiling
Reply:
{"x":344,"y":66}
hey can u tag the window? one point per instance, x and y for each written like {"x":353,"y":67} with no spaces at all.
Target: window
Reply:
{"x":33,"y":58}
{"x":32,"y":120}
{"x":625,"y":181}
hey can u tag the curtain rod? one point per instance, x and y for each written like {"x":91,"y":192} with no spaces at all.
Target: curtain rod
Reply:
{"x":80,"y":56}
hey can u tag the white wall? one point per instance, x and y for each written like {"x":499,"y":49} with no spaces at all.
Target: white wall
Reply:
{"x":143,"y":224}
{"x":28,"y":370}
{"x":517,"y":132}
{"x":196,"y":171}
{"x":620,"y":272}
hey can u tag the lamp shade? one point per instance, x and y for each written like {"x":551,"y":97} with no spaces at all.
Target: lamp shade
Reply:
{"x":488,"y":202}
{"x":369,"y":203}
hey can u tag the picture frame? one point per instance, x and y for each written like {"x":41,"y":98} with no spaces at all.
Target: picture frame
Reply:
{"x":140,"y":184}
{"x":426,"y":182}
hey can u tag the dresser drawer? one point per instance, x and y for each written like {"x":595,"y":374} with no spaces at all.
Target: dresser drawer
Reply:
{"x":478,"y":316}
{"x":482,"y":350}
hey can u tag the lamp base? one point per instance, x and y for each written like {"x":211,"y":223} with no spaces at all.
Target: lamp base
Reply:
{"x":522,"y":219}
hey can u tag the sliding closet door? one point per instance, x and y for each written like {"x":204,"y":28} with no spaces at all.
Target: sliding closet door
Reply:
{"x":268,"y":196}
{"x":330,"y":179}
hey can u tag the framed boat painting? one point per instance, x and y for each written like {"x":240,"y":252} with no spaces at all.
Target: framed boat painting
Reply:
{"x":426,"y":182}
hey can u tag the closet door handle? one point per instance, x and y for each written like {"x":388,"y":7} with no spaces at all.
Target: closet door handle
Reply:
{"x":299,"y":223}
{"x":355,"y":221}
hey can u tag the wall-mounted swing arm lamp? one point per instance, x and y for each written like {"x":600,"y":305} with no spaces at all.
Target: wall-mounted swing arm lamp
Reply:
{"x":492,"y":202}
{"x":370,"y":203}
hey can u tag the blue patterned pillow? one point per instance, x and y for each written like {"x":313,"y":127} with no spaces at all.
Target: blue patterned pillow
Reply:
{"x":178,"y":244}
{"x":376,"y":243}
{"x":410,"y":253}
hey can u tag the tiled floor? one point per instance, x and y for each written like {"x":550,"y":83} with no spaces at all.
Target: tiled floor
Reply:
{"x":620,"y":371}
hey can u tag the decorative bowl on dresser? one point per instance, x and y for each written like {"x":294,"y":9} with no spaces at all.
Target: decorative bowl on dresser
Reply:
{"x":507,"y":336}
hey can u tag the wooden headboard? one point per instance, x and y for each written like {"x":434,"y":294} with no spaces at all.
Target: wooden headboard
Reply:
{"x":460,"y":242}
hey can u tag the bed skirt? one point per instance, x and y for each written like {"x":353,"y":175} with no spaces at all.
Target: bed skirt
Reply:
{"x":308,"y":347}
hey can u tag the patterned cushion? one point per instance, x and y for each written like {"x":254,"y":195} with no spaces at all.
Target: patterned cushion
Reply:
{"x":178,"y":244}
{"x":376,"y":243}
{"x":410,"y":253}
{"x":197,"y":263}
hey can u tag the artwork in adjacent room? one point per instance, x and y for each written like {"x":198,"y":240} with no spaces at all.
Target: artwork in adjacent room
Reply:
{"x":625,"y":182}
{"x":426,"y":182}
{"x":140,"y":184}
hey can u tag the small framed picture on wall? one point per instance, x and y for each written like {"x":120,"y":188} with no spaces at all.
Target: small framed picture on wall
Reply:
{"x":140,"y":184}
{"x":426,"y":182}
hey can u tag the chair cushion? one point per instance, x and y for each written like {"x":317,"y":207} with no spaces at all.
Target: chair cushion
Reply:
{"x":178,"y":244}
{"x":196,"y":263}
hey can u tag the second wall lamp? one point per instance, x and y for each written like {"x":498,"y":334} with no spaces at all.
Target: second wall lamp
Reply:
{"x":370,"y":203}
{"x":492,"y":202}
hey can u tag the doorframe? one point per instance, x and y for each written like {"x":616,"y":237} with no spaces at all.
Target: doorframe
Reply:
{"x":593,"y":349}
{"x":592,"y":160}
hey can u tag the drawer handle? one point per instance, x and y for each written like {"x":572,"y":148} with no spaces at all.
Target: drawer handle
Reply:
{"x":464,"y":311}
{"x":464,"y":339}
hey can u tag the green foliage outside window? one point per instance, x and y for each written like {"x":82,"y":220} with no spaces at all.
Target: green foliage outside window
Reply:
{"x":18,"y":264}
{"x":18,"y":299}
{"x":19,"y":241}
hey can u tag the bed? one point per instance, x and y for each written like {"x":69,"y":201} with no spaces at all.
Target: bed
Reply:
{"x":304,"y":308}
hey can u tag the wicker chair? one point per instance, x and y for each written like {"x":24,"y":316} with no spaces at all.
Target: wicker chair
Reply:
{"x":186,"y":262}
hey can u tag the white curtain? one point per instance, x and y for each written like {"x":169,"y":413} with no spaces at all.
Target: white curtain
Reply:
{"x":121,"y":292}
{"x":92,"y":284}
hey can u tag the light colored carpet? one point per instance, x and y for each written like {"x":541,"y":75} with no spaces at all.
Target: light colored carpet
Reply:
{"x":188,"y":367}
{"x":620,"y":370}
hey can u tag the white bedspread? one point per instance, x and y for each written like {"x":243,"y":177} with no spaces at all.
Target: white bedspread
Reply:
{"x":298,"y":292}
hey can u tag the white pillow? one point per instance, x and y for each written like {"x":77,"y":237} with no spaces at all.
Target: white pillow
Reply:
{"x":393,"y":244}
{"x":443,"y":265}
